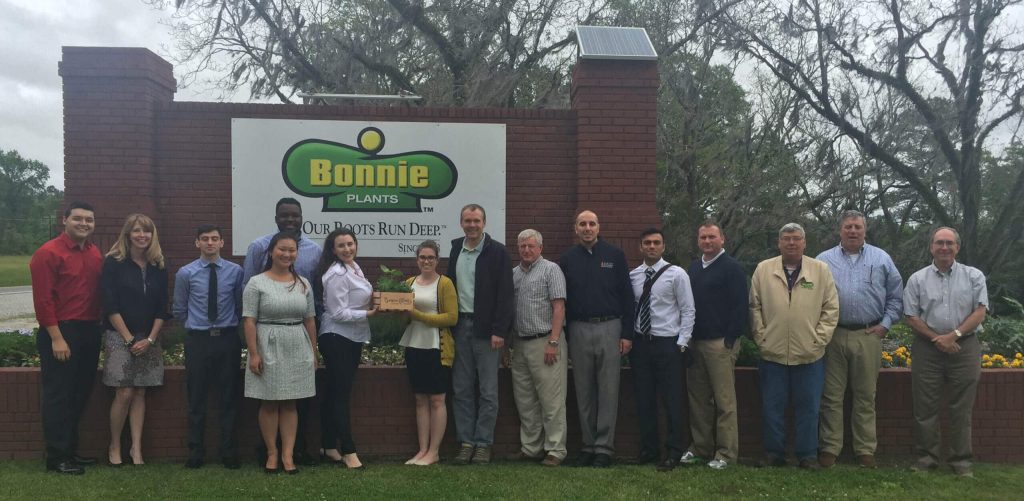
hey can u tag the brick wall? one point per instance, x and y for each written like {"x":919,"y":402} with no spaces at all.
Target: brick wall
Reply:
{"x":384,"y":417}
{"x":130,"y":148}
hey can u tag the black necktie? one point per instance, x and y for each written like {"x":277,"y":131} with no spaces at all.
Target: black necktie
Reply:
{"x":211,"y":295}
{"x":644,"y":319}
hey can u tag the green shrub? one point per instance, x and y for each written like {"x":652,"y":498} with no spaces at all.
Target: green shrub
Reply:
{"x":18,"y":349}
{"x":387,"y":329}
{"x":1003,"y":335}
{"x":901,"y":335}
{"x":749,"y":353}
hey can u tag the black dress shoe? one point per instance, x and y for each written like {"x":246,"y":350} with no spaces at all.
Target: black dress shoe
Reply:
{"x":602,"y":461}
{"x":668,"y":464}
{"x":66,"y":467}
{"x":230,"y":463}
{"x":645,"y":457}
{"x":83,"y":460}
{"x":584,"y":460}
{"x":301,"y":458}
{"x":325,"y":459}
{"x":194,"y":463}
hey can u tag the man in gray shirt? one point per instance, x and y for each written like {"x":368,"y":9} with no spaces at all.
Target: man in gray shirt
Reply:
{"x":945,"y":303}
{"x":539,"y":365}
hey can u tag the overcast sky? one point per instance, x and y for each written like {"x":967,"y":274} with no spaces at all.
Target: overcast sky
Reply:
{"x":31,"y":111}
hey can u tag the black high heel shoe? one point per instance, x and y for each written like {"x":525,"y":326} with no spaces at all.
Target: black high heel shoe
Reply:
{"x":325,"y":459}
{"x":271,"y":471}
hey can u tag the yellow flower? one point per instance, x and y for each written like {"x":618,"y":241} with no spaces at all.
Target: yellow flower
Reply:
{"x":985,"y":357}
{"x":1019,"y":356}
{"x":986,"y":364}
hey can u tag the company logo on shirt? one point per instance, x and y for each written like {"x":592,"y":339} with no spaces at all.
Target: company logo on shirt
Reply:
{"x":607,"y":264}
{"x":358,"y":178}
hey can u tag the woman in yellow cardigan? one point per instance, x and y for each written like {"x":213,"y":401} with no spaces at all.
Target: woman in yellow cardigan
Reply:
{"x":430,"y":350}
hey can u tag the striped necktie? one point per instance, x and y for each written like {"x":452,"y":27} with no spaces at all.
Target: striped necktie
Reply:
{"x":644,"y":317}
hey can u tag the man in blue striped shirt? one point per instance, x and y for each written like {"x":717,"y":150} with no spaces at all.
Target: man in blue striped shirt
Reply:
{"x":207,"y":302}
{"x":870,"y":301}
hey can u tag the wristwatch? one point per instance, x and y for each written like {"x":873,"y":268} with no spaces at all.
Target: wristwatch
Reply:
{"x":151,"y":342}
{"x":958,"y":333}
{"x":552,"y":342}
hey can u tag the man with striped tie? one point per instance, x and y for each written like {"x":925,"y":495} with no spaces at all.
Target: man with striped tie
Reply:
{"x":664,"y":323}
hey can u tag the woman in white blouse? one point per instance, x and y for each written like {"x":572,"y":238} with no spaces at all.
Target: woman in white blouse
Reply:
{"x":344,"y":328}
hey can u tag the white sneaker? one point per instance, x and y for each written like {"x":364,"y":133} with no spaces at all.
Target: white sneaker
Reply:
{"x":718,"y":464}
{"x":690,"y":458}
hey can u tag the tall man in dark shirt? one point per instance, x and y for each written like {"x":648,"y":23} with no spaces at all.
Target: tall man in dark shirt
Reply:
{"x":481,"y":270}
{"x":65,"y":291}
{"x":207,"y":300}
{"x":720,"y":298}
{"x":599,"y":307}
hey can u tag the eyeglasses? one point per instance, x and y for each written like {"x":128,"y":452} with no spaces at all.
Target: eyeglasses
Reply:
{"x":427,"y":258}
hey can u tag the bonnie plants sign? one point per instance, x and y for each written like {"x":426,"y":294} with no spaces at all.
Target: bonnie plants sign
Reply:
{"x":394,"y":184}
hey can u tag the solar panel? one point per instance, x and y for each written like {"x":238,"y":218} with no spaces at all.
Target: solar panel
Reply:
{"x":613,"y":42}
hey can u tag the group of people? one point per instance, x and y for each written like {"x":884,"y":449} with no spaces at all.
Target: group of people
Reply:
{"x":817,"y":322}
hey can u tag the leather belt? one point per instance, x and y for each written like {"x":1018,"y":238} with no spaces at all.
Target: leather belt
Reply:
{"x":596,"y":320}
{"x":279,"y":323}
{"x":534,"y":336}
{"x":215,"y":332}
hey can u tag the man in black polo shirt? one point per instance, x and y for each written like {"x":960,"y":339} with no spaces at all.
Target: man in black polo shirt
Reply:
{"x":599,"y":307}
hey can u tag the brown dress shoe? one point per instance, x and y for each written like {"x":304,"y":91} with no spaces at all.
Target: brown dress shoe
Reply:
{"x":551,"y":460}
{"x":827,"y":459}
{"x":866,"y":461}
{"x":810,"y":464}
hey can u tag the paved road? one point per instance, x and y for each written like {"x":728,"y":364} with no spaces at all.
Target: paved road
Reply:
{"x":16,"y":311}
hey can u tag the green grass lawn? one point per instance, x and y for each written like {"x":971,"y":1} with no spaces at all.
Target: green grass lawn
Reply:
{"x":14,"y":271}
{"x":27,"y":480}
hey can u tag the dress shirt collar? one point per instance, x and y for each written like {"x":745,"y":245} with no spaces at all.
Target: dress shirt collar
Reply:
{"x":526,"y":268}
{"x":217,"y":262}
{"x":940,"y":272}
{"x":70,"y":243}
{"x":708,"y":263}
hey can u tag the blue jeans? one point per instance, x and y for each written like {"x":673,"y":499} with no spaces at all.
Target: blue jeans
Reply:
{"x":475,"y":363}
{"x":803,"y":385}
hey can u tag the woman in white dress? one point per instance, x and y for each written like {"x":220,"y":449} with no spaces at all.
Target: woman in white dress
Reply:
{"x":280,"y":333}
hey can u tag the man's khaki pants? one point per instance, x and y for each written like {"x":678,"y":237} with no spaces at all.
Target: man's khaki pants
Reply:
{"x":959,"y":372}
{"x":540,"y":391}
{"x":852,"y":360}
{"x":711,"y":388}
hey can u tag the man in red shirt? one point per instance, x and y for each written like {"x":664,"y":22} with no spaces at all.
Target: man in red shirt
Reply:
{"x":65,"y":290}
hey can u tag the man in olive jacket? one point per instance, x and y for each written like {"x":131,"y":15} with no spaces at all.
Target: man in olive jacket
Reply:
{"x":794,"y":308}
{"x":481,"y":270}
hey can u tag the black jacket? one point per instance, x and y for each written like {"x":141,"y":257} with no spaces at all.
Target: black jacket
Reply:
{"x":493,"y":292}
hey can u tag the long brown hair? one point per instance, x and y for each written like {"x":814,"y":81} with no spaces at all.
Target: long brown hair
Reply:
{"x":120,"y":250}
{"x":328,"y":258}
{"x":284,"y":235}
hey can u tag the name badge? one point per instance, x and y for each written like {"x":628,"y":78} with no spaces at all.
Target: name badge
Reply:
{"x":807,"y":285}
{"x":607,"y":264}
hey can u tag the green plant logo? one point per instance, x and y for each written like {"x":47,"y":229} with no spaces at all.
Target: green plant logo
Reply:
{"x":357,"y":179}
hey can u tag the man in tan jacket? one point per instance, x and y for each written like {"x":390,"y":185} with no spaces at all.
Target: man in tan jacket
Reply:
{"x":794,"y":307}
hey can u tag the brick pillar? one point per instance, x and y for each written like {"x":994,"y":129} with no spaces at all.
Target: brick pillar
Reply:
{"x":616,"y":104}
{"x":111,"y":99}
